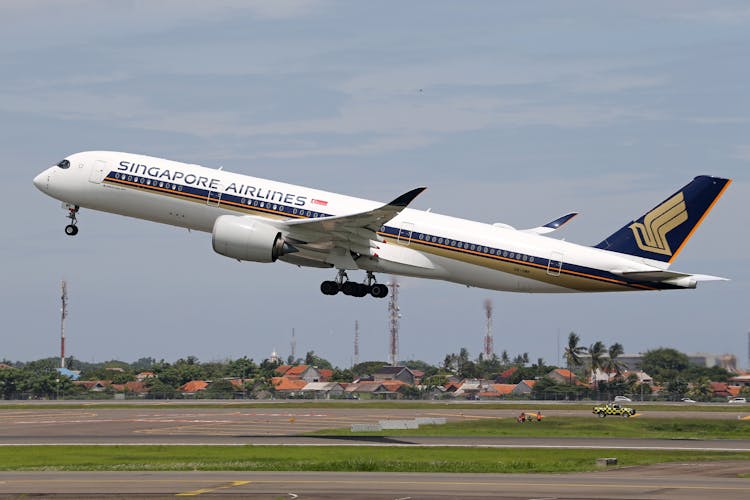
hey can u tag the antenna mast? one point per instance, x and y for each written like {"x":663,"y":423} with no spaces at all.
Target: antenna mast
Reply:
{"x":356,"y":342}
{"x":393,"y":315}
{"x":293,"y":345}
{"x":489,"y":343}
{"x":63,"y":315}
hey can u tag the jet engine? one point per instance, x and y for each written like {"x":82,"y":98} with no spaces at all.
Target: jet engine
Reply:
{"x":245,"y":238}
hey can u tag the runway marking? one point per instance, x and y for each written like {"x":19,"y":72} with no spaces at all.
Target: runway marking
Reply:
{"x":195,"y":493}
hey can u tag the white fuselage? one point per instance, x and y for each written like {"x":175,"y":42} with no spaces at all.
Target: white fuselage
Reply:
{"x":414,"y":243}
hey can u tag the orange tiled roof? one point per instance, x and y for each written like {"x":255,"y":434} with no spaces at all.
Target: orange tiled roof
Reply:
{"x":281,"y":370}
{"x":194,"y":386}
{"x":296,"y":371}
{"x":288,"y":384}
{"x":530,"y":383}
{"x":503,"y":388}
{"x":393,"y":385}
{"x":325,"y":373}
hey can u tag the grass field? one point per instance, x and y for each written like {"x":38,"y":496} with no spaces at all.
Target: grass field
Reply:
{"x":330,"y":458}
{"x":577,"y":427}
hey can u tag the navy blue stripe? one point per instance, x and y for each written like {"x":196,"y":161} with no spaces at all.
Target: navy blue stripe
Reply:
{"x":253,"y":205}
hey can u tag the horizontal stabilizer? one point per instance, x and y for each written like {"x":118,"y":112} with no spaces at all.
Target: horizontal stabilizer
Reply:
{"x":673,"y":277}
{"x":551,"y":226}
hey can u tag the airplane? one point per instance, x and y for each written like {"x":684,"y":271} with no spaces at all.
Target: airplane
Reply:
{"x":259,"y":220}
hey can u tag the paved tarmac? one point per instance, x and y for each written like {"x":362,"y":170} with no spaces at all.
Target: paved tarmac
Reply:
{"x":280,"y":425}
{"x":681,"y":481}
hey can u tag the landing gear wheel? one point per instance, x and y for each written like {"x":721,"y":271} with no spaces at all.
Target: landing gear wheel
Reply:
{"x":71,"y":229}
{"x":329,"y":288}
{"x":379,"y":290}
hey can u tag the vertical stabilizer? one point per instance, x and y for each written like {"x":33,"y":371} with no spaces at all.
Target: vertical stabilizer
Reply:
{"x":661,"y":233}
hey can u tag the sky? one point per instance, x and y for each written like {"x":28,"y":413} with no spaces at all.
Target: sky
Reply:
{"x":514,"y":112}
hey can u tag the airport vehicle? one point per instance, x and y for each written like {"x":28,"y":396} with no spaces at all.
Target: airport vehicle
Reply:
{"x":687,"y":400}
{"x":613,"y":409}
{"x":253,"y":219}
{"x":737,"y":401}
{"x":622,"y":399}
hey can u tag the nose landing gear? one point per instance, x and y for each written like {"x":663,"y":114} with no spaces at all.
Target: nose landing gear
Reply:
{"x":342,"y":284}
{"x":72,"y":228}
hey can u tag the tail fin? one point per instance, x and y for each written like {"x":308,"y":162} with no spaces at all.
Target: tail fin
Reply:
{"x":661,"y":233}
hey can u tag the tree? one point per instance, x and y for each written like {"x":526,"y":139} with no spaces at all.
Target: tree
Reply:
{"x":612,"y":364}
{"x":573,"y":353}
{"x":219,"y":389}
{"x":677,"y":388}
{"x":664,"y":364}
{"x":701,"y":390}
{"x":596,"y":351}
{"x":313,"y":360}
{"x":242,"y":368}
{"x":159,"y":390}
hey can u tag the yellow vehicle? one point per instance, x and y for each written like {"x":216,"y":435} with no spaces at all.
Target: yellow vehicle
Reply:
{"x":613,"y":409}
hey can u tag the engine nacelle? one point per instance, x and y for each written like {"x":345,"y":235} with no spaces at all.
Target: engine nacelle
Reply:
{"x":244,"y":238}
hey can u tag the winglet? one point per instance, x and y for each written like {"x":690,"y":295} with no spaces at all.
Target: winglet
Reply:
{"x":406,"y":198}
{"x":552,"y":226}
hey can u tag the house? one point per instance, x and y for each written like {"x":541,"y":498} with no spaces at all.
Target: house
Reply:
{"x":93,"y":385}
{"x":323,"y":390}
{"x":286,"y":387}
{"x":740,"y":381}
{"x":496,"y":391}
{"x":134,"y":387}
{"x":722,"y":390}
{"x":193,"y":387}
{"x":370,"y":390}
{"x":505,"y":377}
{"x":71,"y":374}
{"x":144,"y":376}
{"x":524,"y":387}
{"x":304,"y":372}
{"x":401,"y":373}
{"x":563,"y":377}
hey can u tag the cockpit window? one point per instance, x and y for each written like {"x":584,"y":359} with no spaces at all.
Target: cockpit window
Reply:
{"x":64,"y":164}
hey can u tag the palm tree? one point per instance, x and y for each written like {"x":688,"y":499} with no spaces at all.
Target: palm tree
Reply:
{"x":596,"y":351}
{"x":611,"y":364}
{"x":573,"y":353}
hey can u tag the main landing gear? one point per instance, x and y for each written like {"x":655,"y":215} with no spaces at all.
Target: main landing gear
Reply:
{"x":72,"y":228}
{"x":342,"y":284}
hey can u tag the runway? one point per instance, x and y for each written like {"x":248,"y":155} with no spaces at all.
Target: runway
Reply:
{"x":681,"y":481}
{"x":276,"y":423}
{"x":280,"y":425}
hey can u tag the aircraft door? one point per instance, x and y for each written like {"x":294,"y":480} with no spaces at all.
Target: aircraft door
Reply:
{"x":404,"y":233}
{"x":214,"y":195}
{"x":555,"y":264}
{"x":98,"y":171}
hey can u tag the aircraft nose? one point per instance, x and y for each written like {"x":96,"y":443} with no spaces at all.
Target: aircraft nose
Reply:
{"x":40,"y":181}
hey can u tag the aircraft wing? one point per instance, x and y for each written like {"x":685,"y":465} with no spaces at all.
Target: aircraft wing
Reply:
{"x":351,"y":232}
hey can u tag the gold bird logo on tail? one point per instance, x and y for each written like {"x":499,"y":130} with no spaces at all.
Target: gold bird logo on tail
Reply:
{"x":651,"y":236}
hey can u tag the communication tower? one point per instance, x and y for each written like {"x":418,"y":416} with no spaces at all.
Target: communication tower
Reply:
{"x":293,"y":345}
{"x":393,"y":317}
{"x":63,"y":315}
{"x":356,"y":342}
{"x":489,"y":343}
